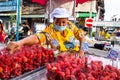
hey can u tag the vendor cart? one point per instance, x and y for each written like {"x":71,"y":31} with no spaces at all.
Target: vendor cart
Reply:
{"x":40,"y":73}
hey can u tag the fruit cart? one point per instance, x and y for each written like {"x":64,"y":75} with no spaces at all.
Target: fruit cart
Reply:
{"x":68,"y":66}
{"x":41,"y":73}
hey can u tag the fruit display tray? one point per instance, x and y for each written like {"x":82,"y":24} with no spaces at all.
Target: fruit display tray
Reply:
{"x":105,"y":60}
{"x":40,"y":73}
{"x":37,"y":74}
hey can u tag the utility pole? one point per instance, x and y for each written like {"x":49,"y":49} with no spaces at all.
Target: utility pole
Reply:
{"x":18,"y":18}
{"x":90,"y":29}
{"x":90,"y":10}
{"x":97,"y":19}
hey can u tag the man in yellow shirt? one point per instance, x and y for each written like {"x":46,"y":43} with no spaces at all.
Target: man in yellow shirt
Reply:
{"x":60,"y":35}
{"x":106,"y":35}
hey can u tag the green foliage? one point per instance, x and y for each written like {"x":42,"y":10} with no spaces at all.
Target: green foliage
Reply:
{"x":12,"y":18}
{"x":93,"y":34}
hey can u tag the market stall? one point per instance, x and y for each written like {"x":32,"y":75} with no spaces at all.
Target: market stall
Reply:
{"x":38,"y":63}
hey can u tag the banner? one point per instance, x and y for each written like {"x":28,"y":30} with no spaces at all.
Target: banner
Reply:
{"x":42,"y":2}
{"x":81,"y":1}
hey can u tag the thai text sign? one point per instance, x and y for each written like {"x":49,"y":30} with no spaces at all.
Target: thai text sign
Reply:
{"x":8,"y":6}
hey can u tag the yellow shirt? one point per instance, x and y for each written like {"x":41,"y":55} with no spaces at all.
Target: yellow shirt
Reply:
{"x":102,"y":33}
{"x":56,"y":38}
{"x":107,"y":36}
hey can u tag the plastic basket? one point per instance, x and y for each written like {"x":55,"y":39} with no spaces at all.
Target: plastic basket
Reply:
{"x":37,"y":74}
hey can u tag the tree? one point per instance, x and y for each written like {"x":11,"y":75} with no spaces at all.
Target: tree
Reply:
{"x":12,"y":18}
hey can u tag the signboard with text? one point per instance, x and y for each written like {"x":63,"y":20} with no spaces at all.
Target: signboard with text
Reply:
{"x":8,"y":6}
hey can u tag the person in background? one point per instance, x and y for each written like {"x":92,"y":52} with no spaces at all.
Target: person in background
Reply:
{"x":12,"y":33}
{"x":24,"y":30}
{"x":117,"y":32}
{"x":106,"y":35}
{"x":13,"y":29}
{"x":2,"y":34}
{"x":115,"y":38}
{"x":87,"y":40}
{"x":102,"y":33}
{"x":60,"y":35}
{"x":89,"y":43}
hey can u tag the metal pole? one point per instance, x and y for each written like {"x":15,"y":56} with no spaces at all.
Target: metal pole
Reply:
{"x":18,"y":19}
{"x":90,"y":29}
{"x":98,"y":14}
{"x":97,"y":19}
{"x":90,"y":10}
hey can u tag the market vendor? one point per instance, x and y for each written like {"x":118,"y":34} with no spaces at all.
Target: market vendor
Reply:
{"x":60,"y":35}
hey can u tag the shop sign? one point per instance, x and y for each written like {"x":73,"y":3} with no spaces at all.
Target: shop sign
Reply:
{"x":8,"y":6}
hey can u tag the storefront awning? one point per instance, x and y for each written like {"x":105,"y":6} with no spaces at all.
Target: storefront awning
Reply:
{"x":85,"y":14}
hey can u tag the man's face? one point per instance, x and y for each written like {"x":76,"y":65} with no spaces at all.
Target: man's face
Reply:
{"x":61,"y":21}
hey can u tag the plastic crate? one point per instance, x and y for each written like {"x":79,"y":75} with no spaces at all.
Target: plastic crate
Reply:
{"x":37,"y":74}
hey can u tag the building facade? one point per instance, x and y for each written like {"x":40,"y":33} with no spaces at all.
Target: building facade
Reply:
{"x":30,"y":12}
{"x":36,"y":13}
{"x":115,"y":17}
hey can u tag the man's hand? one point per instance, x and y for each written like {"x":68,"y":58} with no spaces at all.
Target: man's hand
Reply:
{"x":81,"y":53}
{"x":13,"y":46}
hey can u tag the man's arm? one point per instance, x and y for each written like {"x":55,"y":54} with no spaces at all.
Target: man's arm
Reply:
{"x":30,"y":40}
{"x":79,"y":34}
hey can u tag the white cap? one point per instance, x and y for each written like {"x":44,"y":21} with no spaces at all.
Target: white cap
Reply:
{"x":1,"y":21}
{"x":60,"y":13}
